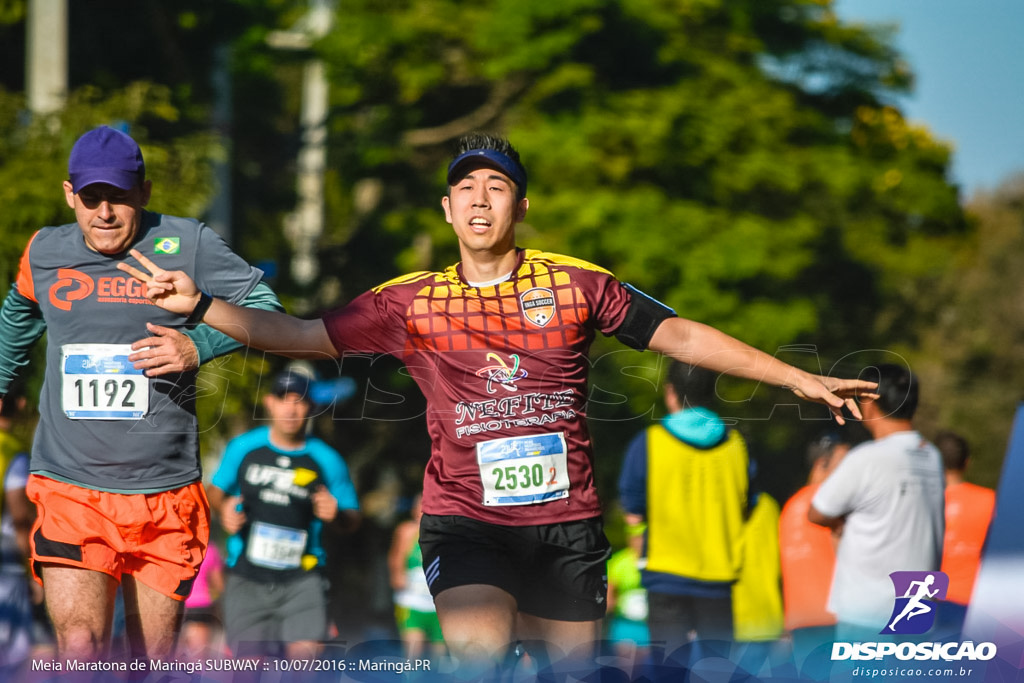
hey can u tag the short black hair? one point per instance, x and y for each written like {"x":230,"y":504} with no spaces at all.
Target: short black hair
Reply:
{"x":694,"y":386}
{"x":897,"y":389}
{"x":486,"y":141}
{"x":9,"y":406}
{"x":479,"y":140}
{"x":954,"y":448}
{"x":824,"y":447}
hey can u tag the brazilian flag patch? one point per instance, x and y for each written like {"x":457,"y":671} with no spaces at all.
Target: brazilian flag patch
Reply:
{"x":166,"y":245}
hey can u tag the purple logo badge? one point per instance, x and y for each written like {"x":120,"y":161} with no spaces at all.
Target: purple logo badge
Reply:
{"x":914,"y":611}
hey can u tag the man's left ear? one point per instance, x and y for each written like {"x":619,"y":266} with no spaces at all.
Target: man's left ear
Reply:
{"x":524,"y":204}
{"x":69,"y":194}
{"x":147,"y":190}
{"x":869,"y":410}
{"x":266,"y":400}
{"x":446,"y":205}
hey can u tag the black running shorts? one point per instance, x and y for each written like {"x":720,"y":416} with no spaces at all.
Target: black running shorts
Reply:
{"x":554,"y":571}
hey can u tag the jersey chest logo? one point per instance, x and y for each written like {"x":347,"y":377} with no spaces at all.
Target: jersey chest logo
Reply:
{"x":71,"y":285}
{"x":501,"y":374}
{"x":538,"y":305}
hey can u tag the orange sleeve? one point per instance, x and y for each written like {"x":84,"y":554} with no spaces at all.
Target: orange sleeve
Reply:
{"x":26,"y":285}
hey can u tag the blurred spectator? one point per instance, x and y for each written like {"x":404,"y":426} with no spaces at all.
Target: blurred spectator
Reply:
{"x":415,"y":615}
{"x":17,"y":592}
{"x":627,"y":598}
{"x":969,"y":510}
{"x":807,"y":552}
{"x":202,"y":623}
{"x":687,"y":479}
{"x":275,"y":489}
{"x":757,"y":595}
{"x":887,"y":497}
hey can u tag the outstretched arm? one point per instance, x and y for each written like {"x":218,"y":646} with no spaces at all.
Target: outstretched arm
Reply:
{"x":698,"y":344}
{"x":261,"y":329}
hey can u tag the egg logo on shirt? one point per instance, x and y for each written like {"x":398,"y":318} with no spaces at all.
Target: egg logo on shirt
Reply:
{"x":538,"y":305}
{"x":71,"y":285}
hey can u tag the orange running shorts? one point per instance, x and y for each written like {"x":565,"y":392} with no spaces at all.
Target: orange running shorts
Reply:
{"x":157,"y":538}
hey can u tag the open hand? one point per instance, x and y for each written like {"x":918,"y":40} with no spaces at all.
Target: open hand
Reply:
{"x":836,"y":393}
{"x":168,"y":350}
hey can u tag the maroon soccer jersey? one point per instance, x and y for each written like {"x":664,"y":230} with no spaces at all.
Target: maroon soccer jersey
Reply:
{"x":504,"y":370}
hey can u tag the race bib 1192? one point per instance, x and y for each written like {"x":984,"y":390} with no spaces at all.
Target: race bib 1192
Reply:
{"x":98,"y":382}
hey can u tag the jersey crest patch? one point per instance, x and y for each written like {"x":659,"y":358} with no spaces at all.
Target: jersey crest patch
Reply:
{"x":538,"y":305}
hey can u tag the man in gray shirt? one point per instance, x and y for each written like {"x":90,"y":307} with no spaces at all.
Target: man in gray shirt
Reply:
{"x":115,"y":469}
{"x":887,"y":498}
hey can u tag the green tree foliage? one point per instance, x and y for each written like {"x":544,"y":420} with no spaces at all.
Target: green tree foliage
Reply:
{"x":157,"y":85}
{"x":739,"y":160}
{"x":969,"y":357}
{"x":35,"y":156}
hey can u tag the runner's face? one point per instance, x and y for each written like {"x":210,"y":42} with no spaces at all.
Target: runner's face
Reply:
{"x":483,"y":210}
{"x":108,"y":216}
{"x":288,"y":415}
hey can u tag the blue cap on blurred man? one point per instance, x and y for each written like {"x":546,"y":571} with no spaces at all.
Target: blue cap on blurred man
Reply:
{"x":105,"y":155}
{"x":290,"y":382}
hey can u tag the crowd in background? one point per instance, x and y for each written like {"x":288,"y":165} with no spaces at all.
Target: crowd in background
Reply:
{"x":777,"y":588}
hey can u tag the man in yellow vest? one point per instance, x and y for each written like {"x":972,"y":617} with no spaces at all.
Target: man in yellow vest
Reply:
{"x":687,"y":477}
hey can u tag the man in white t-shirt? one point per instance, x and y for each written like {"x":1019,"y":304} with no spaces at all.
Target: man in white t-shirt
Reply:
{"x":887,"y":498}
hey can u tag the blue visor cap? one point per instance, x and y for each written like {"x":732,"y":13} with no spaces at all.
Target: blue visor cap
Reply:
{"x":491,"y":158}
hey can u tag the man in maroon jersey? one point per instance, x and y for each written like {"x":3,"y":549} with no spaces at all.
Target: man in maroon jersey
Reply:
{"x":513,"y":546}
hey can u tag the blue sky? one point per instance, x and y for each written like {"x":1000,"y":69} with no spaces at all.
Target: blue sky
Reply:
{"x":968,"y":59}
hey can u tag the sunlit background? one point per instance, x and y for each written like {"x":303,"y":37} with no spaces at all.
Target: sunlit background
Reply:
{"x":787,"y":170}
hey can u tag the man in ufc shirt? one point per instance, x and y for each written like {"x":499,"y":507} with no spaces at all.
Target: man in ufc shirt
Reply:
{"x":275,"y":490}
{"x":115,"y":459}
{"x":513,"y":546}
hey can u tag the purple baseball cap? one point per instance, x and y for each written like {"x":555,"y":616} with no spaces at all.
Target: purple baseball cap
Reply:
{"x":105,"y":155}
{"x":492,"y":159}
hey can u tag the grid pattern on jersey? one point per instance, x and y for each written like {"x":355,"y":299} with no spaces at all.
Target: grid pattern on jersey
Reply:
{"x":446,"y":315}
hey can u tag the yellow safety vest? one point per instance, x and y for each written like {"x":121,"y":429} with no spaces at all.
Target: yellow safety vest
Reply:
{"x":696,"y":499}
{"x":757,"y":596}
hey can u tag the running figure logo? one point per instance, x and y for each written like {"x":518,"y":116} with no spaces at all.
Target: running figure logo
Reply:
{"x":914,"y":610}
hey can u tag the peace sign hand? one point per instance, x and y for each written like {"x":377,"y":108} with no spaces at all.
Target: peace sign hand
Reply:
{"x":172,"y":290}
